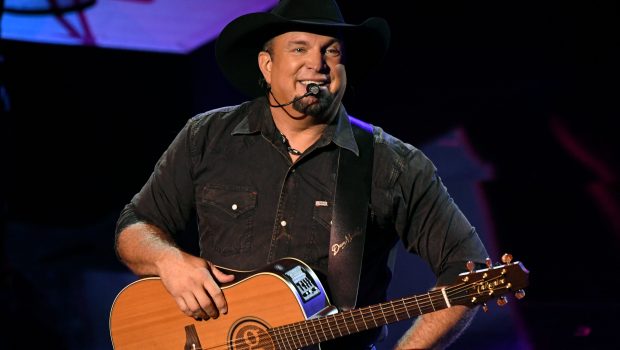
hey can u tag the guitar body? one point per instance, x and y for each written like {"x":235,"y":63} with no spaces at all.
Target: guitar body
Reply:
{"x":145,"y":316}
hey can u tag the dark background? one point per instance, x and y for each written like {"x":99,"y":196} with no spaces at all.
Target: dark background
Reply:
{"x":534,"y":85}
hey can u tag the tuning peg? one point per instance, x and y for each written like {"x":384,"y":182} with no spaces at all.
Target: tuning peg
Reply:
{"x":501,"y":301}
{"x":485,"y":308}
{"x":520,"y":294}
{"x":488,"y":262}
{"x":506,"y":258}
{"x":470,"y":266}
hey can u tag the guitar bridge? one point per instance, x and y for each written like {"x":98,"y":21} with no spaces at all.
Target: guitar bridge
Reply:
{"x":191,"y":338}
{"x":305,"y":286}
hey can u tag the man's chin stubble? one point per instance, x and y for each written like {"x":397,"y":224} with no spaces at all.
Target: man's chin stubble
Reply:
{"x":315,"y":109}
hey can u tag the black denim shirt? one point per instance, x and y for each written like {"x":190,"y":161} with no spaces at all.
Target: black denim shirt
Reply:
{"x":254,"y":205}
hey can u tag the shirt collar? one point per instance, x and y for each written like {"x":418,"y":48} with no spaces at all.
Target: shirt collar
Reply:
{"x":258,"y":119}
{"x":343,"y":135}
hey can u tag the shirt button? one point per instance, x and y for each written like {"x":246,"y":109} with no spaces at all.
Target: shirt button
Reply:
{"x":283,"y":223}
{"x":234,"y":207}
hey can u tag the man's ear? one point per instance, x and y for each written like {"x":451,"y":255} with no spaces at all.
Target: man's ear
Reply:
{"x":264,"y":64}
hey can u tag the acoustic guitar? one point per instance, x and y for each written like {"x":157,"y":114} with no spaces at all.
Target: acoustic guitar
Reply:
{"x":284,"y":306}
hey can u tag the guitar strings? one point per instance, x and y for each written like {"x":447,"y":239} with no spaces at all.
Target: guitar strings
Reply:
{"x":435,"y":299}
{"x":290,"y":334}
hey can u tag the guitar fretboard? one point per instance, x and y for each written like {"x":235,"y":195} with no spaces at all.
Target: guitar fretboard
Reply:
{"x":313,"y":331}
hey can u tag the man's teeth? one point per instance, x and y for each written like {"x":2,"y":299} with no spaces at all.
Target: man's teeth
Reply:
{"x":306,"y":82}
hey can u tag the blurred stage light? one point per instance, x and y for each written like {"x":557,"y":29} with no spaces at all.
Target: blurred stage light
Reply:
{"x":46,"y":6}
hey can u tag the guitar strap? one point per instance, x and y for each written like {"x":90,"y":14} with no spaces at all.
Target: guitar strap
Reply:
{"x":349,"y":217}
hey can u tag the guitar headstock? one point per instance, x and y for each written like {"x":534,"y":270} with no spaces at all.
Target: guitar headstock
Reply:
{"x":476,"y":287}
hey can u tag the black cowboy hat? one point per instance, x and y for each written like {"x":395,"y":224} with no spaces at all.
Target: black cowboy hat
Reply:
{"x":237,"y":47}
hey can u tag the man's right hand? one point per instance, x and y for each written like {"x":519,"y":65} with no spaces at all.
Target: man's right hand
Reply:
{"x":192,"y":281}
{"x":194,"y":284}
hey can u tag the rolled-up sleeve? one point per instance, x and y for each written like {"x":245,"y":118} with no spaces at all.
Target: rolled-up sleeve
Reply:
{"x":430,"y":223}
{"x":166,"y":199}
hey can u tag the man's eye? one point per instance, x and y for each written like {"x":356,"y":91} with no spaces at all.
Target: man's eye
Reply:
{"x":332,"y":52}
{"x":300,"y":49}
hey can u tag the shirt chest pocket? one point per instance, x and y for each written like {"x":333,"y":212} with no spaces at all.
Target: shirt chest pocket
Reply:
{"x":234,"y":201}
{"x":227,"y":217}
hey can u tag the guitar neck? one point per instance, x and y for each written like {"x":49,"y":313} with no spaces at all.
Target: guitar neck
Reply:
{"x":321,"y":329}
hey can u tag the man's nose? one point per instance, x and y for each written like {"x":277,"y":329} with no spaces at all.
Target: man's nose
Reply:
{"x":316,"y":61}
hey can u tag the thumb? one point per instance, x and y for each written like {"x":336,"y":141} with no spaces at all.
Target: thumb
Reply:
{"x":337,"y":88}
{"x":339,"y":81}
{"x":219,"y":275}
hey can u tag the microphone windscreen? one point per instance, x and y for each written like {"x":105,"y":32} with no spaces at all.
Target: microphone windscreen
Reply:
{"x":313,"y":89}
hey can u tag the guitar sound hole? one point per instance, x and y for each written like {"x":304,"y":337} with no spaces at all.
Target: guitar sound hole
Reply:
{"x":251,"y":335}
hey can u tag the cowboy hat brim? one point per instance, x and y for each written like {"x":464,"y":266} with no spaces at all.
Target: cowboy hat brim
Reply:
{"x":238,"y":45}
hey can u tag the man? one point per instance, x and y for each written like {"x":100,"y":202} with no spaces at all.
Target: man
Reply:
{"x":261,"y":177}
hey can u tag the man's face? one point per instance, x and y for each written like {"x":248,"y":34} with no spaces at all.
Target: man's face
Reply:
{"x":294,"y":60}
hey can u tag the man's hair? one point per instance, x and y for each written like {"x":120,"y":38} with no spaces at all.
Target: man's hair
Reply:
{"x":268,"y":45}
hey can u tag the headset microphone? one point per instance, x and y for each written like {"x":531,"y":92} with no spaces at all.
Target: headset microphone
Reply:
{"x":311,"y":89}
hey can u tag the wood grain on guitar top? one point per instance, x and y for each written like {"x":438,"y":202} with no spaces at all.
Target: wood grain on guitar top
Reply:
{"x":144,"y":316}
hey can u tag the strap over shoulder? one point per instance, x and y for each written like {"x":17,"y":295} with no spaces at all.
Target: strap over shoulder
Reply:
{"x":349,"y":217}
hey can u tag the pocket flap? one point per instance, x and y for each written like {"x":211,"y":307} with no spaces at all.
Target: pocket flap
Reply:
{"x":234,"y":201}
